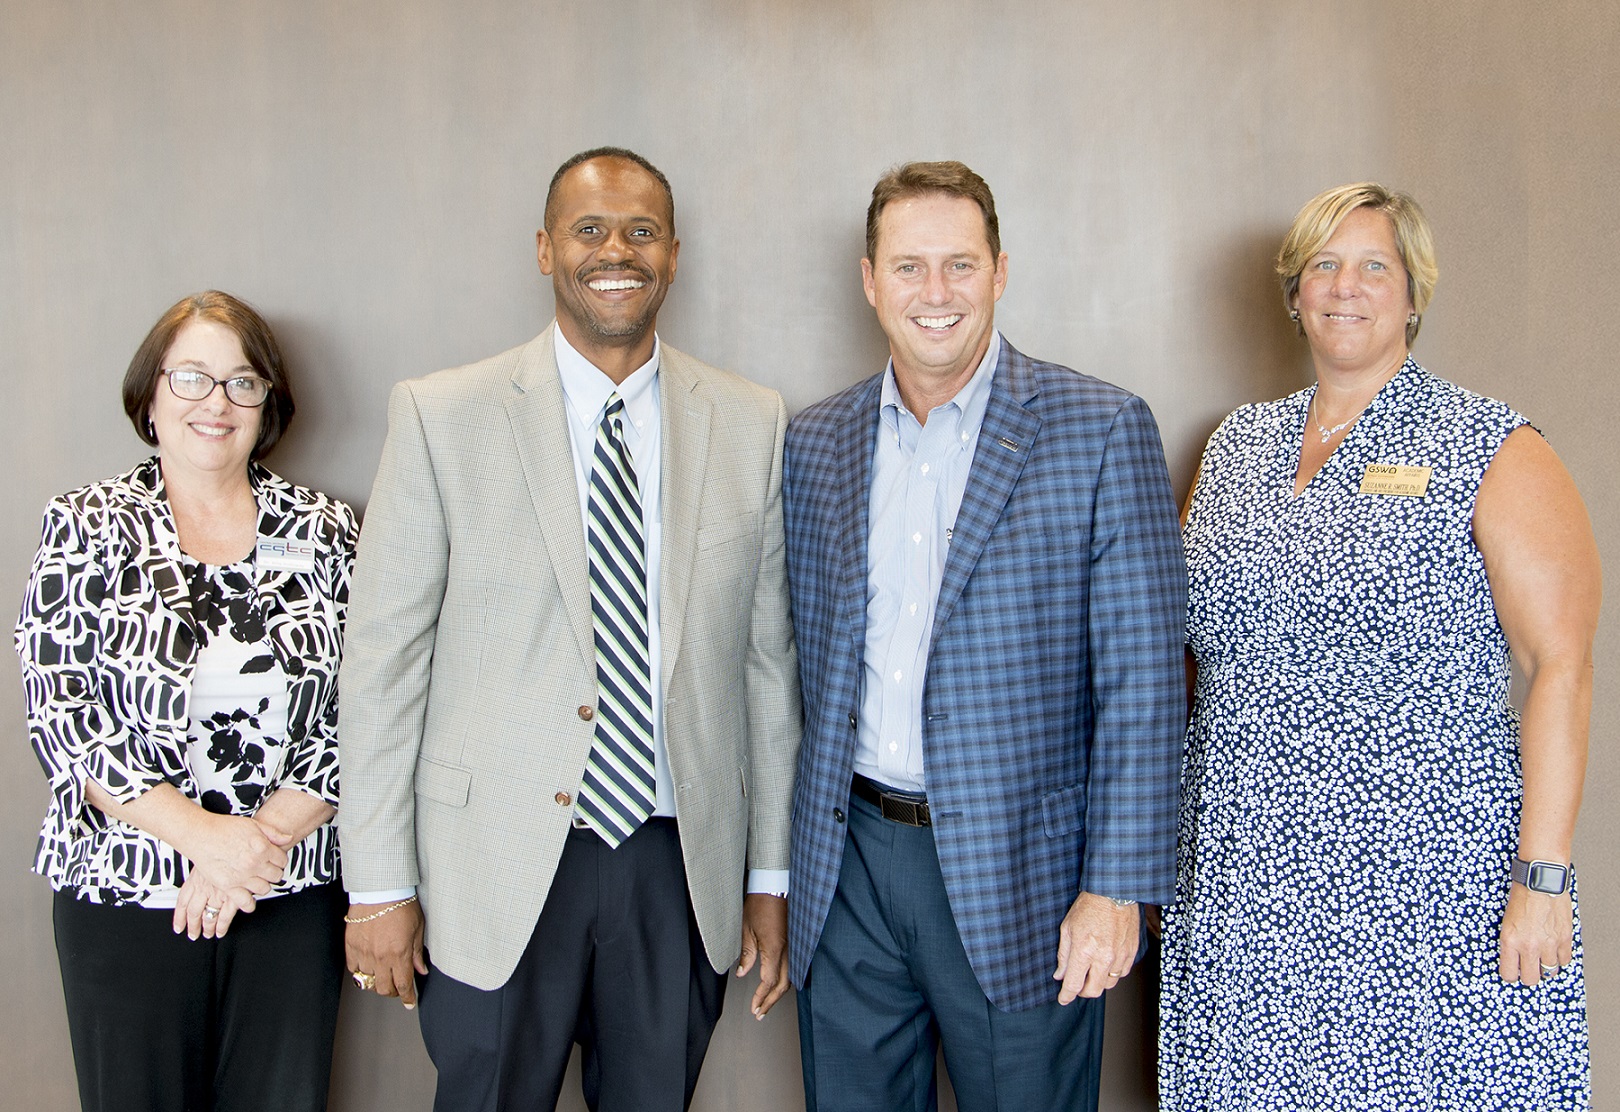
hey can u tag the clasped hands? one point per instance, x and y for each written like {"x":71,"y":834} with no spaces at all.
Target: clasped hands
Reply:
{"x":238,"y":860}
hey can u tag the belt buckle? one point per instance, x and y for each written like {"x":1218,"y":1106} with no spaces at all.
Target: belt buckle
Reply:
{"x":910,"y":812}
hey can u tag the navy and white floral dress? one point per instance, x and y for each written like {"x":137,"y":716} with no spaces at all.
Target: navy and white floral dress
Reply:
{"x":1351,"y":784}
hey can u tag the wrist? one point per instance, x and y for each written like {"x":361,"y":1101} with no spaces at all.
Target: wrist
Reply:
{"x":1547,"y":878}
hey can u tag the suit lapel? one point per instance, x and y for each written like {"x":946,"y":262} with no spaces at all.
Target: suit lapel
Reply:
{"x":539,"y":417}
{"x":857,"y":439}
{"x":687,"y":415}
{"x":1005,"y":441}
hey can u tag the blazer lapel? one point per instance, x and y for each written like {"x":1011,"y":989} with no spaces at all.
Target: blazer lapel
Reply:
{"x":857,"y":439}
{"x":539,"y":417}
{"x":687,"y":418}
{"x":1005,"y":441}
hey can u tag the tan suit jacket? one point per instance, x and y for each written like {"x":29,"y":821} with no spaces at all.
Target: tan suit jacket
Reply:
{"x":469,"y":669}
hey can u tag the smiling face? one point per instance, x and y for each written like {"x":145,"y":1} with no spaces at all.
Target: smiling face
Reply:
{"x":213,"y":435}
{"x":610,"y":250}
{"x":1353,"y":298}
{"x":935,"y":286}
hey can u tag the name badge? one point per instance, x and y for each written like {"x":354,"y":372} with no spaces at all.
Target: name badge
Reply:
{"x":1396,"y":478}
{"x":286,"y":554}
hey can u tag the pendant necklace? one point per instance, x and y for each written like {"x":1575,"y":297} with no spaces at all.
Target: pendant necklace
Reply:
{"x":1327,"y":434}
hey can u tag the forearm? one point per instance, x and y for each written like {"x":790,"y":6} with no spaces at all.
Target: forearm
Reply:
{"x":294,"y":813}
{"x":1553,"y":749}
{"x":161,"y":812}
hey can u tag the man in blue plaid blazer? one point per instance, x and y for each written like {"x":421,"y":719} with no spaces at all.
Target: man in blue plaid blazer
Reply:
{"x":989,"y":596}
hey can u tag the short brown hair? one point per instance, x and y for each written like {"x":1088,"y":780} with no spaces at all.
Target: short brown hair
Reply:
{"x":258,"y":344}
{"x":916,"y":179}
{"x":1323,"y":214}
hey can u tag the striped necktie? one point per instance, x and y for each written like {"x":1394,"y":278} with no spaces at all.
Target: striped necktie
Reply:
{"x":617,"y":793}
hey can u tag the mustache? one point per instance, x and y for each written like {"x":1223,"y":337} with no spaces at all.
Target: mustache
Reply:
{"x":617,"y":268}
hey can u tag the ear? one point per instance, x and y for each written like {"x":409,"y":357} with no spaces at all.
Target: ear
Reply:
{"x":542,"y":251}
{"x":1001,"y":275}
{"x":674,"y":257}
{"x":867,"y":282}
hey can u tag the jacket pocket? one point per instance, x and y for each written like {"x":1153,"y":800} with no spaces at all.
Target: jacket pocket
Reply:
{"x":442,"y":783}
{"x":1064,"y":811}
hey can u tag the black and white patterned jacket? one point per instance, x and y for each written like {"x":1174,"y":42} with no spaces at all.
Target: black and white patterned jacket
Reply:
{"x":108,"y":652}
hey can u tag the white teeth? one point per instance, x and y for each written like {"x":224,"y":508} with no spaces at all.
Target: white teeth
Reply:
{"x":938,"y":322}
{"x":616,"y":284}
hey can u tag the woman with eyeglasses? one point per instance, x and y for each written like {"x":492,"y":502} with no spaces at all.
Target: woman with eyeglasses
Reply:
{"x":180,"y":640}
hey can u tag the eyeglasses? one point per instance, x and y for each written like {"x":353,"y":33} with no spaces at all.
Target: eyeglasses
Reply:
{"x":249,"y":391}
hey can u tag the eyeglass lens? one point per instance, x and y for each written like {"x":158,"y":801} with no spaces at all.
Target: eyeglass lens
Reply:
{"x":194,"y":386}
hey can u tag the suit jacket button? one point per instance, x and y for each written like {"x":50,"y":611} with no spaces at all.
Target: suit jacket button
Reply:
{"x":564,"y":799}
{"x":838,"y":815}
{"x":586,"y":713}
{"x":852,"y":724}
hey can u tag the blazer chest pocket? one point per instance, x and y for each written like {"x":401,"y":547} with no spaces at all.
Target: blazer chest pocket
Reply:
{"x":1064,"y":811}
{"x":442,"y":783}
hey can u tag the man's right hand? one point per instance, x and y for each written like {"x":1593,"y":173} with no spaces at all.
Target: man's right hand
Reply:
{"x":388,"y":947}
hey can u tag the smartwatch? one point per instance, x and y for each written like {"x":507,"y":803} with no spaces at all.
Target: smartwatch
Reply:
{"x":1546,"y":877}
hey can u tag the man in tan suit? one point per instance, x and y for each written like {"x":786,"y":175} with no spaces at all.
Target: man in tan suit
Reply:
{"x":480,"y":717}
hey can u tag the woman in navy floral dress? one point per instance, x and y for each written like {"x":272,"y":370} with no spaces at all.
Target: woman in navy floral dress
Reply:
{"x":1375,"y":907}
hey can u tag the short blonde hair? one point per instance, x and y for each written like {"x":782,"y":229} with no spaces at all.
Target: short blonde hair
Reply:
{"x":1323,"y":214}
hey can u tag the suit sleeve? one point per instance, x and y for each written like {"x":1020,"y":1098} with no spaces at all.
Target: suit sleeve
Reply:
{"x":773,"y":685}
{"x":1136,"y":631}
{"x":313,"y":768}
{"x":397,"y":592}
{"x":74,"y":734}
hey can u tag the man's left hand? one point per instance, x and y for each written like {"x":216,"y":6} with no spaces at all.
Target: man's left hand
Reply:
{"x":764,"y":938}
{"x":1096,"y":946}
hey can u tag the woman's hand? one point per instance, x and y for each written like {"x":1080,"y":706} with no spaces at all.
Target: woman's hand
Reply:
{"x":233,"y":851}
{"x":1538,"y":932}
{"x":198,"y":897}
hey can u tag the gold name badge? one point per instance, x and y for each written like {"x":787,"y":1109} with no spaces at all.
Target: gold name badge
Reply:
{"x":1396,"y":478}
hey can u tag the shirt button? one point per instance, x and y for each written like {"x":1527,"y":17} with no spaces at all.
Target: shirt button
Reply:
{"x":925,"y":469}
{"x":897,"y":677}
{"x":916,"y":538}
{"x":586,"y":713}
{"x":893,"y":747}
{"x":914,"y":608}
{"x":564,"y":799}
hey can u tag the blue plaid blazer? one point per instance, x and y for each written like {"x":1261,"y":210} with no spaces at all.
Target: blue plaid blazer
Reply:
{"x":1054,"y":704}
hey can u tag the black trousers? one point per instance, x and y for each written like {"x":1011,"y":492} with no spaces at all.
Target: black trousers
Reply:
{"x":161,"y":1023}
{"x":615,"y":964}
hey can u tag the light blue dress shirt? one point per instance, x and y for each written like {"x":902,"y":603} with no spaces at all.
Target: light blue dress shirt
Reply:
{"x":919,"y":472}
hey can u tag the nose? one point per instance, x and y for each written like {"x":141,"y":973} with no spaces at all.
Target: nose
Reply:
{"x":935,"y":291}
{"x":615,"y":246}
{"x":1346,"y":281}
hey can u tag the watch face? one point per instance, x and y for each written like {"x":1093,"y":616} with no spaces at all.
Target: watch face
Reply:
{"x":1546,"y":878}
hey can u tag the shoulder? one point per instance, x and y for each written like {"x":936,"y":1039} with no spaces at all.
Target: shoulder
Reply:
{"x":334,"y":519}
{"x":485,"y":380}
{"x":679,"y":369}
{"x":852,"y":403}
{"x":1055,"y":392}
{"x":95,"y":504}
{"x":1462,"y":404}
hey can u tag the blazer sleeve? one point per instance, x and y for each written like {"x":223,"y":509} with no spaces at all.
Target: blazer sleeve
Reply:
{"x":1137,"y":624}
{"x":773,"y":685}
{"x":400,"y":574}
{"x":313,"y":767}
{"x":74,"y":734}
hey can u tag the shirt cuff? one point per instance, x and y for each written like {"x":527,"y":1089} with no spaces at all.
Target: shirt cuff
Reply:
{"x":768,"y":882}
{"x":386,"y":896}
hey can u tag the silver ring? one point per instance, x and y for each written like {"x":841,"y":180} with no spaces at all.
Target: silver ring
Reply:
{"x":210,"y":912}
{"x":1549,"y":970}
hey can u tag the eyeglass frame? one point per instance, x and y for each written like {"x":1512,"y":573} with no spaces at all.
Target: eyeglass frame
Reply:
{"x":215,"y":383}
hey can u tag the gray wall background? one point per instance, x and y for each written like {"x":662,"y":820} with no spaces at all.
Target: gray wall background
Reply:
{"x":371,"y":173}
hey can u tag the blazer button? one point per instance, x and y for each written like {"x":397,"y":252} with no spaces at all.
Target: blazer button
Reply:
{"x":838,"y":815}
{"x":564,"y":799}
{"x":852,"y":724}
{"x":586,"y":713}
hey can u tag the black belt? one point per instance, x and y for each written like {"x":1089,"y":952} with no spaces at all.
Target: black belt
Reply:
{"x":902,"y":807}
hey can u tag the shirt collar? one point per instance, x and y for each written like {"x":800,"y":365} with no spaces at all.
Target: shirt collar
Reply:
{"x":966,"y":408}
{"x":587,"y":388}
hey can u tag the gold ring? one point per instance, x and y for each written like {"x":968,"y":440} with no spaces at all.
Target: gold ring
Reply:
{"x":364,"y":981}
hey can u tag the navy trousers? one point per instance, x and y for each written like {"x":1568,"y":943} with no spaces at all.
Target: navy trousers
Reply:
{"x":890,"y":982}
{"x":615,"y":963}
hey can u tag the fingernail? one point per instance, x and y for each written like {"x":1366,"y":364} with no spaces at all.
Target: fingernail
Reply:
{"x":410,"y":1007}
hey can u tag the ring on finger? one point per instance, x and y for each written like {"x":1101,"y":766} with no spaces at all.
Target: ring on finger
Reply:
{"x":364,"y":981}
{"x":210,"y":912}
{"x":1549,"y":970}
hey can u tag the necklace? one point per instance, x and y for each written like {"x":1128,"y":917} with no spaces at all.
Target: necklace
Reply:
{"x":1327,"y":434}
